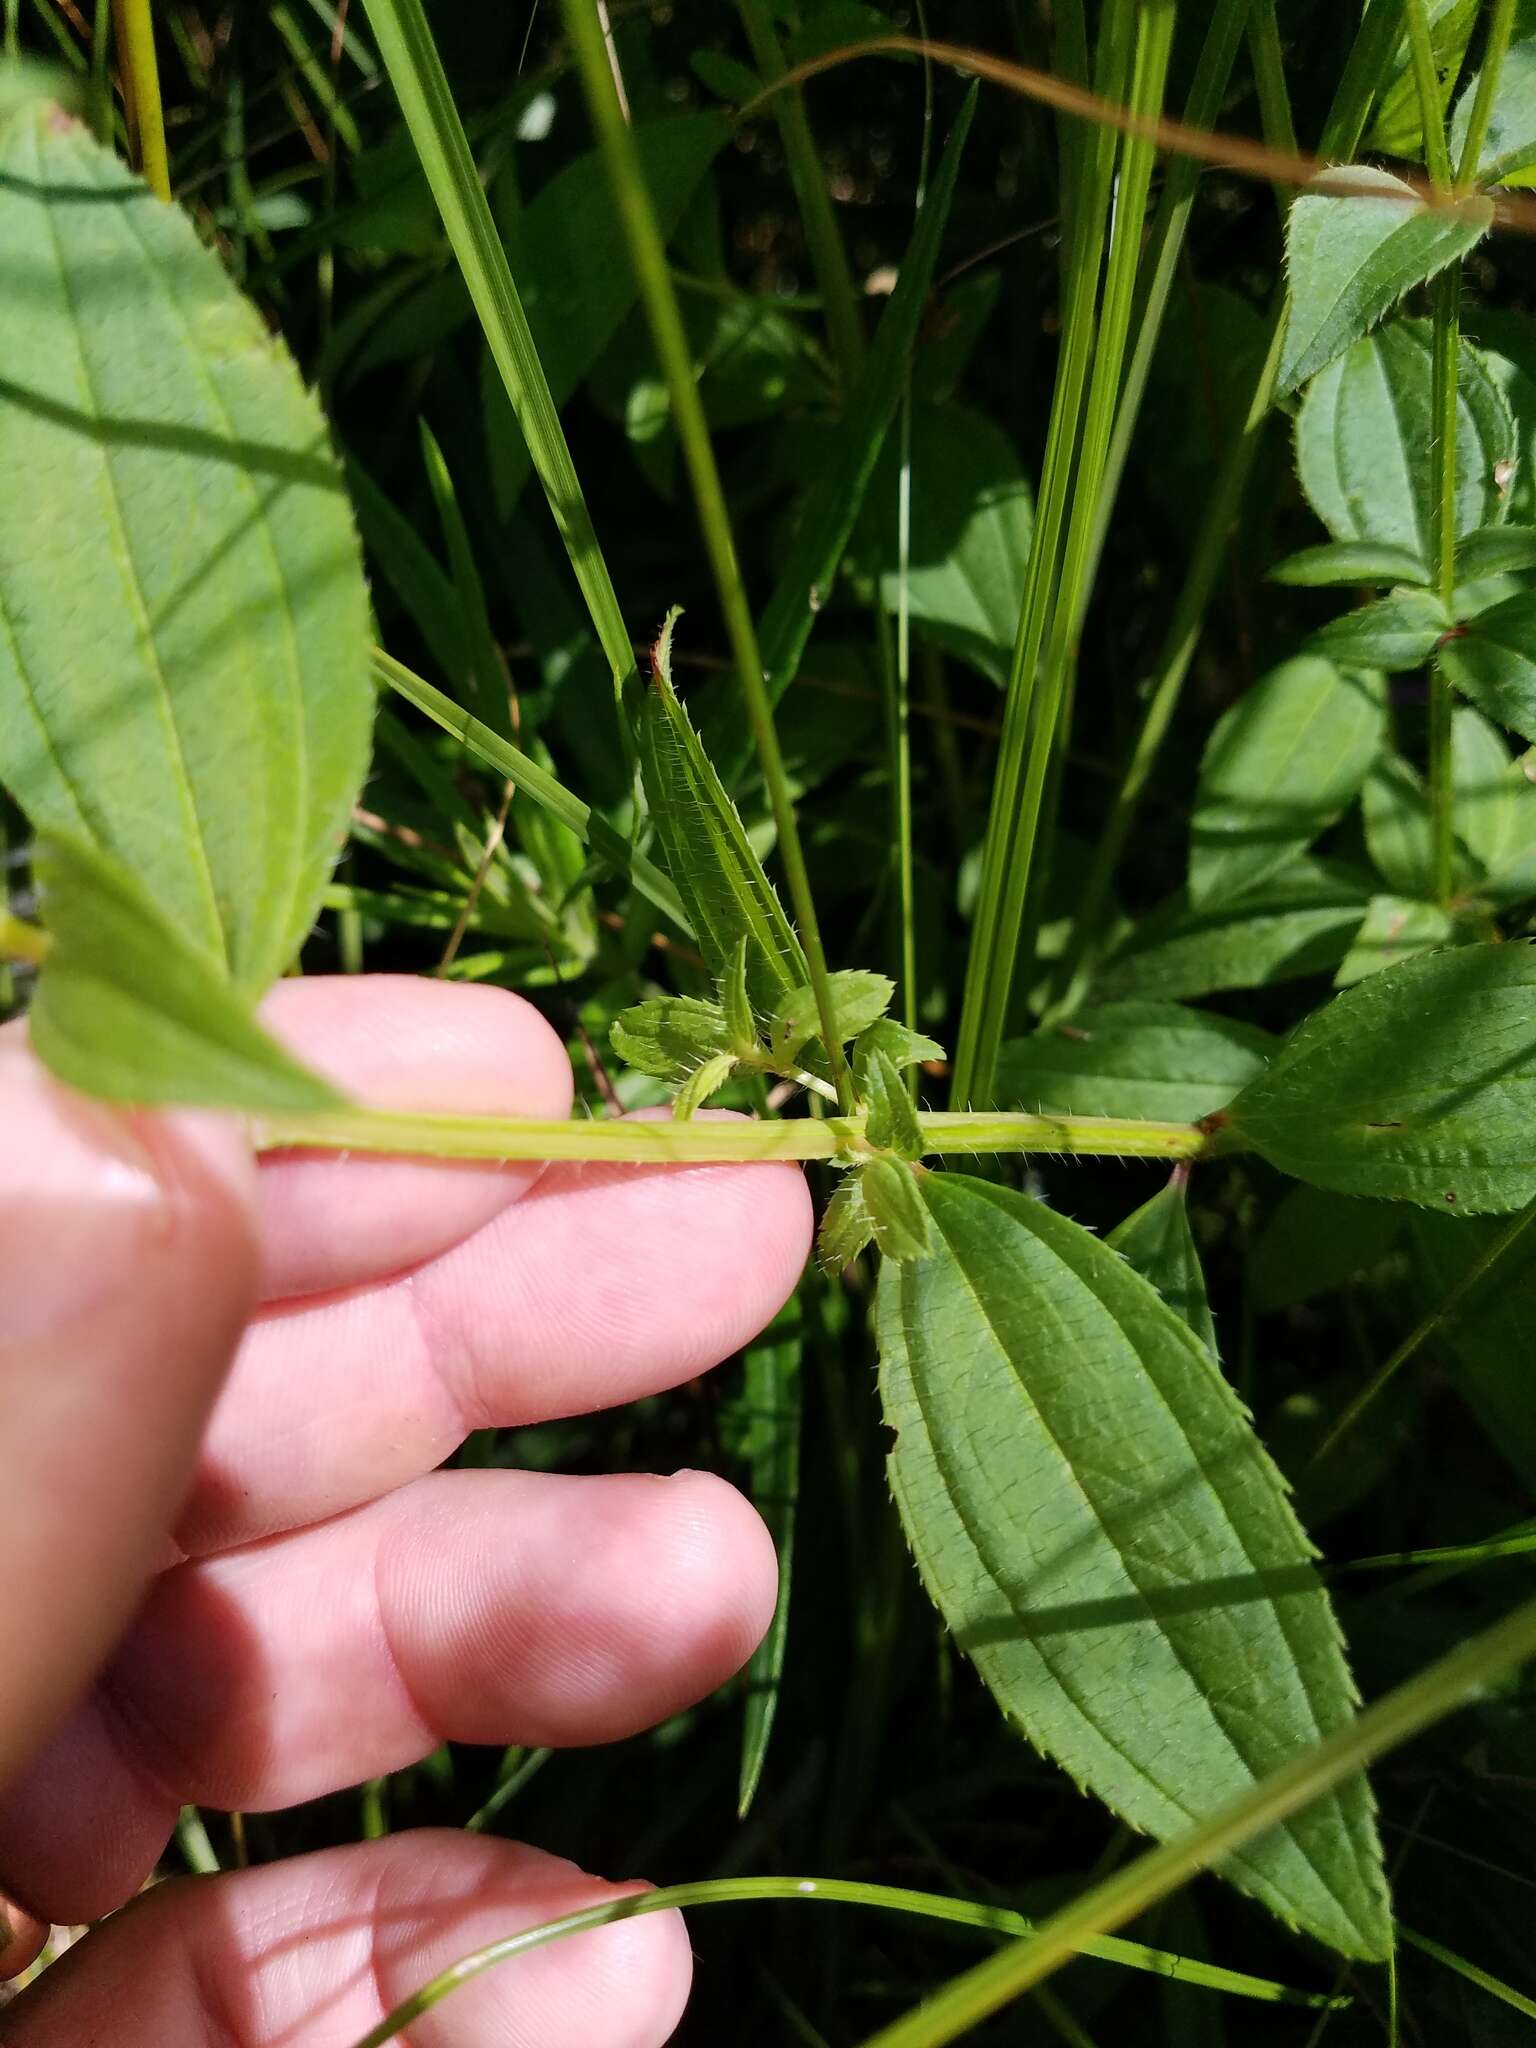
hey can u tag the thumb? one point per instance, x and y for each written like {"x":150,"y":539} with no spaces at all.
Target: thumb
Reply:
{"x":127,"y":1270}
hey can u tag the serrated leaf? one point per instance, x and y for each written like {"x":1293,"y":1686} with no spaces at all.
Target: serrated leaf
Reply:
{"x":1394,"y":928}
{"x":1300,"y":921}
{"x":1396,"y":632}
{"x":1495,"y":804}
{"x":892,"y":1124}
{"x":1109,"y":1542}
{"x":1495,"y":551}
{"x":1352,"y":258}
{"x":736,"y":1003}
{"x":183,"y":619}
{"x":701,"y":1084}
{"x":859,"y":998}
{"x":1366,"y":441}
{"x":1135,"y":1059}
{"x":900,"y":1045}
{"x":127,"y":1008}
{"x":1418,"y":1085}
{"x":897,"y":1212}
{"x":1398,"y":129}
{"x":1156,"y":1241}
{"x":1350,"y":561}
{"x":1493,"y":661}
{"x":1279,"y":768}
{"x":669,"y":1035}
{"x":846,"y":1224}
{"x":1508,"y":154}
{"x":709,"y":856}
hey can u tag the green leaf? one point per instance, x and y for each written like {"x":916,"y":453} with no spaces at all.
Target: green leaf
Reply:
{"x":1394,"y":633}
{"x":740,"y":1024}
{"x":771,"y":1405}
{"x":1495,"y":551}
{"x":893,"y":1123}
{"x":1108,"y":1541}
{"x":1399,"y":833}
{"x":128,"y":1008}
{"x":897,"y":1211}
{"x":1395,"y":928}
{"x":1398,"y":129}
{"x":1156,"y":1241}
{"x":900,"y":1045}
{"x":1314,"y":1242}
{"x":1507,"y":340}
{"x":183,"y":619}
{"x":670,"y":1035}
{"x":972,"y":520}
{"x":1351,"y":260}
{"x":1489,"y":1338}
{"x":1495,"y":805}
{"x":1508,"y":154}
{"x":1418,"y":1085}
{"x":859,"y":999}
{"x":1300,"y":921}
{"x":1279,"y":768}
{"x":1136,"y":1059}
{"x":718,"y":874}
{"x":1493,"y":661}
{"x":1350,"y":561}
{"x":1366,"y":444}
{"x":846,"y":1224}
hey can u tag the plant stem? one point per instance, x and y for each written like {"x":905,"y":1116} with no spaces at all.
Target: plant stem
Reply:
{"x":649,"y":256}
{"x":416,"y":72}
{"x":701,"y":1141}
{"x":1500,"y":28}
{"x":1437,"y":157}
{"x":1413,"y":1707}
{"x":22,"y":941}
{"x":1269,"y":76}
{"x":1370,"y":54}
{"x":829,"y":1891}
{"x":141,"y":84}
{"x":823,"y":241}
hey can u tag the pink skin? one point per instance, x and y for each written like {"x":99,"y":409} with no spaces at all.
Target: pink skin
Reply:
{"x":330,"y":1606}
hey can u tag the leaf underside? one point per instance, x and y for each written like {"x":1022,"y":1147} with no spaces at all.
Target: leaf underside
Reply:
{"x":1112,"y":1546}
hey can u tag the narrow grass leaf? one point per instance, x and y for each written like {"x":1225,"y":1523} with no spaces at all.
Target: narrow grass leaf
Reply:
{"x":1280,"y":768}
{"x":129,"y":1009}
{"x":770,"y":1410}
{"x":1351,"y":259}
{"x":1109,"y":1542}
{"x":1133,"y":1059}
{"x":183,"y":618}
{"x":1418,"y":1085}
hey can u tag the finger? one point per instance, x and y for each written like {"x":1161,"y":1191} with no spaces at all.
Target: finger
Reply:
{"x":319,"y":1949}
{"x":604,"y":1283}
{"x":400,"y":1042}
{"x":486,"y":1607}
{"x":127,"y":1268}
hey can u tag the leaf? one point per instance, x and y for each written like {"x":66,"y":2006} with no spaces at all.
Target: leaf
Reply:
{"x":972,"y":521}
{"x":901,"y":1046}
{"x":1507,"y":341}
{"x":1395,"y":928}
{"x":1489,"y":1337}
{"x":1495,"y":551}
{"x":183,"y":619}
{"x":1350,"y":561}
{"x":1107,"y":1539}
{"x":1279,"y":768}
{"x":1156,"y":1241}
{"x":1493,"y":661}
{"x":711,"y":860}
{"x":1135,"y":1059}
{"x":1418,"y":1086}
{"x":846,"y":1224}
{"x":1399,"y":832}
{"x":1366,"y":442}
{"x":1394,"y":633}
{"x":128,"y":1008}
{"x":701,"y":1084}
{"x":1314,"y":1242}
{"x":892,"y":1124}
{"x":740,"y":1024}
{"x":1399,"y":125}
{"x":1495,"y":805}
{"x":1352,"y":258}
{"x":1508,"y":154}
{"x":897,"y":1212}
{"x":771,"y":1406}
{"x":859,"y":999}
{"x":1299,"y":921}
{"x":670,"y":1035}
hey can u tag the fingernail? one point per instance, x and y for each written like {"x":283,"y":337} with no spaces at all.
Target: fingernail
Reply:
{"x":80,"y":1204}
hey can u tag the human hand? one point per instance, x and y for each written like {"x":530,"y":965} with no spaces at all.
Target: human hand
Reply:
{"x":328,"y":1607}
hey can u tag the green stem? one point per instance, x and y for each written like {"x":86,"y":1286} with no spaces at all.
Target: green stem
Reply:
{"x":1269,"y":76}
{"x":698,"y":1141}
{"x":649,"y":256}
{"x":1500,"y":28}
{"x":969,"y":1999}
{"x":824,"y":243}
{"x":22,"y":941}
{"x":141,"y":82}
{"x":416,"y":72}
{"x":1370,"y":54}
{"x":1421,"y":46}
{"x":1442,"y":788}
{"x":829,"y":1891}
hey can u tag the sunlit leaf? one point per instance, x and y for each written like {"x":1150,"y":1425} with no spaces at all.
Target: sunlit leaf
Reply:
{"x":1493,"y":661}
{"x":1508,"y":154}
{"x":1157,"y":1242}
{"x":1134,"y":1059}
{"x":1396,"y":632}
